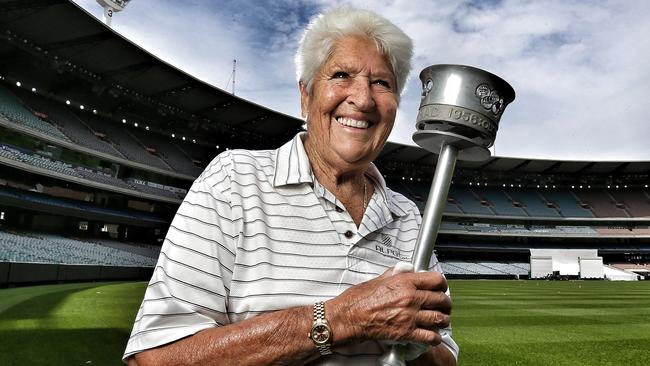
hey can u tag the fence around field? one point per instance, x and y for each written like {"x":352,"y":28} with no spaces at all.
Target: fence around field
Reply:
{"x":12,"y":273}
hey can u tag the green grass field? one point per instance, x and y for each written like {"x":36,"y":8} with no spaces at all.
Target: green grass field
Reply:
{"x":495,"y":323}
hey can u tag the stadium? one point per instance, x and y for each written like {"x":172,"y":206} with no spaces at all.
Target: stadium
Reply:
{"x":100,"y":141}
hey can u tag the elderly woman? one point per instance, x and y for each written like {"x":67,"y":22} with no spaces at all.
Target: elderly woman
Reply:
{"x":286,"y":256}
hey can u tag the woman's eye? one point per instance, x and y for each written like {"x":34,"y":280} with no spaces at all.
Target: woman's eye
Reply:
{"x":383,"y":83}
{"x":340,"y":75}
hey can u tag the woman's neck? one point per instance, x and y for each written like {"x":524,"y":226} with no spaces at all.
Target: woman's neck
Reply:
{"x":347,"y":183}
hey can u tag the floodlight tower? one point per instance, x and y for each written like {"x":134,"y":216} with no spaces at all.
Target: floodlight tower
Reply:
{"x":110,"y":7}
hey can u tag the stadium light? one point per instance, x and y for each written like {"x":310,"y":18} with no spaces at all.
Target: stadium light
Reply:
{"x":193,"y":141}
{"x":34,"y":90}
{"x":18,"y":83}
{"x":123,"y":120}
{"x":67,"y":102}
{"x":173,"y":135}
{"x":572,"y":187}
{"x":217,"y":147}
{"x":183,"y":138}
{"x":608,"y":187}
{"x":110,"y":7}
{"x":81,"y":106}
{"x":146,"y":128}
{"x":538,"y":186}
{"x":580,"y":187}
{"x":2,"y":215}
{"x":135,"y":124}
{"x":646,"y":186}
{"x":94,"y":111}
{"x":470,"y":183}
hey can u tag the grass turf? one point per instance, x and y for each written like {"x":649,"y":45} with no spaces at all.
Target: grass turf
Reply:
{"x":495,"y":323}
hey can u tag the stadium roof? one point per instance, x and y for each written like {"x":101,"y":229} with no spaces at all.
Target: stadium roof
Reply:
{"x":397,"y":153}
{"x":79,"y":58}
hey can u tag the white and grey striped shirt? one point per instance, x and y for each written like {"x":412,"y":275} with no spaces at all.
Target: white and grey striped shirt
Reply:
{"x":258,"y":233}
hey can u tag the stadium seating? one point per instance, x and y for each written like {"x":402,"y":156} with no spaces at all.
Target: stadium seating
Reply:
{"x":14,"y":111}
{"x":37,"y":161}
{"x":46,"y":248}
{"x":636,"y":202}
{"x":73,"y":127}
{"x":602,"y":203}
{"x":80,"y":172}
{"x":79,"y":206}
{"x":566,"y":203}
{"x":468,"y":202}
{"x":483,"y":268}
{"x":501,"y":204}
{"x":534,"y":204}
{"x":123,"y":140}
{"x":173,"y":156}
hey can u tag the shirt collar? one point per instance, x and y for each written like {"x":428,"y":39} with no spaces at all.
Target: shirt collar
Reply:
{"x":292,"y":167}
{"x":291,"y":163}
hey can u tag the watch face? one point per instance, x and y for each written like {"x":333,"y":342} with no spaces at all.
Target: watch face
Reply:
{"x":320,"y":333}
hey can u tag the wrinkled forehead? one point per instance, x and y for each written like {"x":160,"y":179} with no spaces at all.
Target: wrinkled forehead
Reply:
{"x":358,"y":55}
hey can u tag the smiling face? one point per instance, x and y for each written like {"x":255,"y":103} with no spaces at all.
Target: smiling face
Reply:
{"x":352,"y":107}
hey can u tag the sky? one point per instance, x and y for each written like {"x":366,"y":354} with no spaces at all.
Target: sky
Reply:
{"x":580,"y":69}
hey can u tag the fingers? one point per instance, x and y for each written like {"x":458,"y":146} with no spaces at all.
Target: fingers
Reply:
{"x":434,"y":300}
{"x":433,"y":281}
{"x":427,"y":336}
{"x":432,"y":320}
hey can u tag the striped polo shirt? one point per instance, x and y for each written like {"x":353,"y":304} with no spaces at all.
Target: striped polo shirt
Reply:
{"x":258,"y":233}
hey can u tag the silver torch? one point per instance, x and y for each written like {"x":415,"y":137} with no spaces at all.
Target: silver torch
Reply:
{"x":458,"y":119}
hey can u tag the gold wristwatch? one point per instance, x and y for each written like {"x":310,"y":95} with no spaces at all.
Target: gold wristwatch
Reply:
{"x":321,"y":333}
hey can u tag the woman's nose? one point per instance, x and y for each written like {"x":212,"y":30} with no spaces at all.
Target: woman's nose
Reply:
{"x":361,"y":95}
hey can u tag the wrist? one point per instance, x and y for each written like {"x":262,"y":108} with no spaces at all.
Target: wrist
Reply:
{"x":342,"y":328}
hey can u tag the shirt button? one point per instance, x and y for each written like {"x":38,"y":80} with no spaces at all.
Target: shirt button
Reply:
{"x":338,"y":209}
{"x":348,"y":234}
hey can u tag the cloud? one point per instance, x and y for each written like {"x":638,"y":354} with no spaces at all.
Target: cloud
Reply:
{"x":579,"y":68}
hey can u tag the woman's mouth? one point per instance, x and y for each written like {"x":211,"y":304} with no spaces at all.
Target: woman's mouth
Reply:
{"x":349,"y":122}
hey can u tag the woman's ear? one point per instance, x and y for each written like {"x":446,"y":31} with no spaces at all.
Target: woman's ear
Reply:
{"x":304,"y":99}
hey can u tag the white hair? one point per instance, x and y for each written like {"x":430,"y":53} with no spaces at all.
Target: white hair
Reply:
{"x":326,"y":29}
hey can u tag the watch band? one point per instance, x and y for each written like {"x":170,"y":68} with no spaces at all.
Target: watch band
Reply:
{"x":319,"y":319}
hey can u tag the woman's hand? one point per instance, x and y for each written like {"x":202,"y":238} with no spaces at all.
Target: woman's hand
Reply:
{"x":401,"y":307}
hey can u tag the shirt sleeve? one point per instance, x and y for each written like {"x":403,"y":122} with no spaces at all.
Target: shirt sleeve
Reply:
{"x":190,"y":284}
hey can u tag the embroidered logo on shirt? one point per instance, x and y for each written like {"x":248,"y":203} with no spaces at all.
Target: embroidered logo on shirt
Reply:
{"x":384,"y":245}
{"x":386,"y":240}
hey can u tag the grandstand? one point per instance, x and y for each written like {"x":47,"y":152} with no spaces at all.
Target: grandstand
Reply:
{"x":97,"y":152}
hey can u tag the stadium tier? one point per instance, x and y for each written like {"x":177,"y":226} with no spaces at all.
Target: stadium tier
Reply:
{"x":71,"y":125}
{"x":52,"y":249}
{"x":13,"y":111}
{"x":96,"y":155}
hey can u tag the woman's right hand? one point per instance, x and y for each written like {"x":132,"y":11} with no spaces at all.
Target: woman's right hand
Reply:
{"x":401,"y":307}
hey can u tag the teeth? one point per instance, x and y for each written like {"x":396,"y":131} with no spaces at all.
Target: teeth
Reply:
{"x":352,"y":122}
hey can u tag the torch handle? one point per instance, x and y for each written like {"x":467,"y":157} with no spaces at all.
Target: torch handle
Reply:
{"x":435,"y":206}
{"x":429,"y":229}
